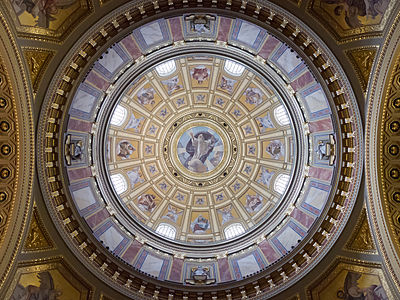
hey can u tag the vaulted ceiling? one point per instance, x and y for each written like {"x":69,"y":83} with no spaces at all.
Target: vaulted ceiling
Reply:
{"x":199,"y":149}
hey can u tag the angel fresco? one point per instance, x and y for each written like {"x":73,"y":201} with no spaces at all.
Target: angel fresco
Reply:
{"x":173,"y":213}
{"x":44,"y":11}
{"x":200,"y":225}
{"x":275,"y":149}
{"x":125,"y":149}
{"x":146,"y":96}
{"x":147,"y":202}
{"x":353,"y":9}
{"x":352,"y":291}
{"x":200,"y":73}
{"x":45,"y":291}
{"x":254,"y":203}
{"x":254,"y":96}
{"x":227,"y":84}
{"x":172,"y":84}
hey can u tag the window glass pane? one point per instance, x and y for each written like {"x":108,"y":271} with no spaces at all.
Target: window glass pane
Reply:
{"x":119,"y":183}
{"x":281,"y":115}
{"x":233,"y":68}
{"x":119,"y":116}
{"x":281,"y":183}
{"x":166,"y":230}
{"x":166,"y":68}
{"x":233,"y":230}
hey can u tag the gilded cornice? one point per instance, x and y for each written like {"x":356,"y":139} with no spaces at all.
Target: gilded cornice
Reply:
{"x":17,"y":133}
{"x":381,"y":154}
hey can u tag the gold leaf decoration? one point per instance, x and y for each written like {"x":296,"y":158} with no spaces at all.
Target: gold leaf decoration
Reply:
{"x":361,"y":239}
{"x":37,"y":238}
{"x":363,"y":60}
{"x":37,"y":61}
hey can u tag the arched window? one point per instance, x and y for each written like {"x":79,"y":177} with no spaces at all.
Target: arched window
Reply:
{"x":281,"y":183}
{"x":233,"y":68}
{"x":166,"y":230}
{"x":233,"y":230}
{"x":119,"y":183}
{"x":119,"y":116}
{"x":166,"y":68}
{"x":281,"y":115}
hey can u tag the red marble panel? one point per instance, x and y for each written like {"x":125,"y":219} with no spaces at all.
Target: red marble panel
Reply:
{"x":321,"y":125}
{"x":131,"y":47}
{"x":81,"y":173}
{"x":131,"y":252}
{"x":224,"y":271}
{"x":98,"y":81}
{"x":269,"y":46}
{"x":302,"y":81}
{"x":97,"y":218}
{"x":224,"y":27}
{"x":176,"y":270}
{"x":302,"y":218}
{"x":270,"y":254}
{"x":321,"y":173}
{"x":176,"y":29}
{"x":79,"y":125}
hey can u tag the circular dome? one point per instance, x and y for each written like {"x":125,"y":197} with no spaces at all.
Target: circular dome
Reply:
{"x":201,"y":146}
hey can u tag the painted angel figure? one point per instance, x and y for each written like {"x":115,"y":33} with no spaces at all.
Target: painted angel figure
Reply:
{"x":134,"y":123}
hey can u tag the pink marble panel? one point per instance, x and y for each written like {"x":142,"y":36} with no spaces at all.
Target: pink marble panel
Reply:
{"x":79,"y":125}
{"x":269,"y":46}
{"x":176,"y":270}
{"x":131,"y":252}
{"x":98,"y":81}
{"x":131,"y":47}
{"x":224,"y":27}
{"x":97,"y":218}
{"x":302,"y":218}
{"x":321,"y":173}
{"x":176,"y":29}
{"x":302,"y":81}
{"x":224,"y":271}
{"x":270,"y":254}
{"x":321,"y":125}
{"x":76,"y":174}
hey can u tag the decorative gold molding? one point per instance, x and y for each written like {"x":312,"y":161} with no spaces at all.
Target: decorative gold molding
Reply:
{"x":37,"y":238}
{"x":17,"y":149}
{"x":362,"y":60}
{"x":361,"y":240}
{"x":37,"y":61}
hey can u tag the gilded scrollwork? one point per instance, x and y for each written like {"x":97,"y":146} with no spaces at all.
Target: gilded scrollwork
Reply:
{"x":37,"y":61}
{"x":37,"y":238}
{"x":362,"y":60}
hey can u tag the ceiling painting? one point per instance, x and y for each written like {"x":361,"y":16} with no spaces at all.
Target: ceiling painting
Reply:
{"x":347,"y":18}
{"x":200,"y":149}
{"x":47,"y":19}
{"x":348,"y":279}
{"x":52,"y":279}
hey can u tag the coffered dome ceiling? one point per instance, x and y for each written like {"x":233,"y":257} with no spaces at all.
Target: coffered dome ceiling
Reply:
{"x":200,"y":143}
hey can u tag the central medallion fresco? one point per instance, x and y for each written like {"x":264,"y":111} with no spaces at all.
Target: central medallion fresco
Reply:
{"x":200,"y":149}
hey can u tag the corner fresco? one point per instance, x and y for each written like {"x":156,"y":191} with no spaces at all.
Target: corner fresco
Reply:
{"x":347,"y":18}
{"x":351,"y":280}
{"x":47,"y":19}
{"x":51,"y":279}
